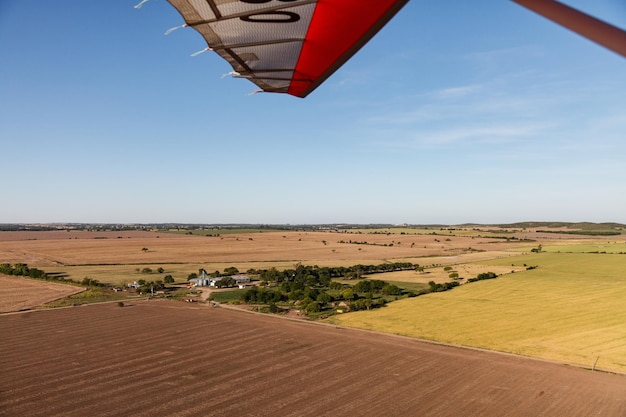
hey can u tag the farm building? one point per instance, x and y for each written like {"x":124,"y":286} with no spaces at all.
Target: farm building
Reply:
{"x":205,"y":280}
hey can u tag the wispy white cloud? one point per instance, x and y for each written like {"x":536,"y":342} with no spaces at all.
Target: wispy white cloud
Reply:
{"x":493,"y":134}
{"x":491,"y":111}
{"x":461,"y":137}
{"x":502,"y":55}
{"x":457,"y":92}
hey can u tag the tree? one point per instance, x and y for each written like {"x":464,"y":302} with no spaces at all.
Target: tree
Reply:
{"x":231,"y":271}
{"x":483,"y":276}
{"x":311,"y":280}
{"x":311,"y":293}
{"x":323,"y":298}
{"x":363,"y":286}
{"x":225,"y":282}
{"x":313,"y":307}
{"x":295,"y":295}
{"x":36,"y":273}
{"x":251,"y":295}
{"x":91,"y":282}
{"x":335,"y":285}
{"x":21,"y":269}
{"x":168,"y":279}
{"x":347,"y":294}
{"x":160,"y":270}
{"x":391,"y":289}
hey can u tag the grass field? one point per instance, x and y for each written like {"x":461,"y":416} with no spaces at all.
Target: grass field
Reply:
{"x":571,"y":308}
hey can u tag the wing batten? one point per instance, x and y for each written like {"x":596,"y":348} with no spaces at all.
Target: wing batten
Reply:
{"x":262,"y":43}
{"x":213,"y":7}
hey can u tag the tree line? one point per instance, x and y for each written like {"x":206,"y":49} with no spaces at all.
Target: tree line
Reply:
{"x":316,"y":275}
{"x":483,"y":276}
{"x":312,"y":290}
{"x":22,"y":270}
{"x":366,"y":294}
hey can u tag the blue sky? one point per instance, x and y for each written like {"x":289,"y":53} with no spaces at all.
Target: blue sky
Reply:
{"x":455,"y":112}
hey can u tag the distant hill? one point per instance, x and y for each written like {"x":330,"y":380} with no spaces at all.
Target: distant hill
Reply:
{"x":578,"y":226}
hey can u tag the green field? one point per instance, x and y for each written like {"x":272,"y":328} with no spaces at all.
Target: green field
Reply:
{"x":571,"y":308}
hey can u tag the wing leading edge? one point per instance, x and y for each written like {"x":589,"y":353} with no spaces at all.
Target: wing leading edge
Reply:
{"x":287,"y":46}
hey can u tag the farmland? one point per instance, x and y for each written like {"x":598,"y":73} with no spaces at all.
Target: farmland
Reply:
{"x":570,"y":308}
{"x":117,"y":257}
{"x":17,"y":293}
{"x":558,"y":297}
{"x":167,"y":358}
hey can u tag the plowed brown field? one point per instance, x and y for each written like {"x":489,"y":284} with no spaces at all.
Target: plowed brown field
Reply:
{"x":53,"y":249}
{"x":159,"y":358}
{"x":18,"y":293}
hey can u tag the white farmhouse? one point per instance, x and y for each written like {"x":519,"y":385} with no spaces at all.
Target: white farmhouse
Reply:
{"x":205,"y":280}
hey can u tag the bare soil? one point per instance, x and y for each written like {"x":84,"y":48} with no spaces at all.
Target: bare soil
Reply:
{"x":158,"y":358}
{"x":18,"y":293}
{"x":54,"y":249}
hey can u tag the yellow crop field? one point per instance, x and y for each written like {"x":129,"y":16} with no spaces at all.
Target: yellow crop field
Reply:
{"x":571,"y":308}
{"x":439,"y":274}
{"x":602,"y":246}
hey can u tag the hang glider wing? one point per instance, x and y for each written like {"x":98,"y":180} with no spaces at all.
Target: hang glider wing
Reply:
{"x":287,"y":46}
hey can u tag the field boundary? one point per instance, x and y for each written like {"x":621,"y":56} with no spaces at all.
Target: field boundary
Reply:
{"x":416,"y":339}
